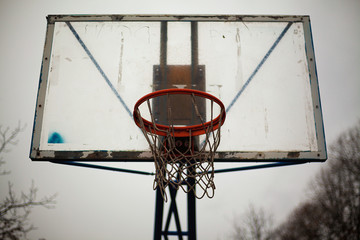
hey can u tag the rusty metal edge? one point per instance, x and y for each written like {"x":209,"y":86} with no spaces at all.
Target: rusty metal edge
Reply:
{"x":41,"y":93}
{"x":118,"y":17}
{"x":146,"y":156}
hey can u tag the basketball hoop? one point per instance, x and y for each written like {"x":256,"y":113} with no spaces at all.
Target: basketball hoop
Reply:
{"x":183,"y":155}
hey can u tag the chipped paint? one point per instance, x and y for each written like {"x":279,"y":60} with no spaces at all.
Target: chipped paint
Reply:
{"x":145,"y":155}
{"x":96,"y":155}
{"x":243,"y":18}
{"x":293,"y":154}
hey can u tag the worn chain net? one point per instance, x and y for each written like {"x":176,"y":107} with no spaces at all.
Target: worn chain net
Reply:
{"x":191,"y":169}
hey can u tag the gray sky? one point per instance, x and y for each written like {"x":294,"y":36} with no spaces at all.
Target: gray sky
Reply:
{"x":95,"y":204}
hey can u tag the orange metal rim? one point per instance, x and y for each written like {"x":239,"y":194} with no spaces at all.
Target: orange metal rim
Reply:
{"x":192,"y":130}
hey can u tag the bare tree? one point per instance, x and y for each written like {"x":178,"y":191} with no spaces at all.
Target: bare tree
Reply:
{"x":255,"y":224}
{"x":7,"y":138}
{"x":302,"y":224}
{"x":337,"y":188}
{"x":333,"y":211}
{"x":15,"y":210}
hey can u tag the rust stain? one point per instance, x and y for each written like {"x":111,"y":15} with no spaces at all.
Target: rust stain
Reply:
{"x":293,"y":154}
{"x":97,"y":155}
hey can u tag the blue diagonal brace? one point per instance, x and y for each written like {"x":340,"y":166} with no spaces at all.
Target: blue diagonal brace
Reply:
{"x":259,"y":66}
{"x":76,"y":35}
{"x":80,"y":164}
{"x":253,"y":167}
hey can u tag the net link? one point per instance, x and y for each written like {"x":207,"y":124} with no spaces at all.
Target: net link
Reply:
{"x":191,"y":166}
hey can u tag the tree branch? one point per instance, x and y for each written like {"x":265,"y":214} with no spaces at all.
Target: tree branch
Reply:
{"x":8,"y":138}
{"x":14,"y":212}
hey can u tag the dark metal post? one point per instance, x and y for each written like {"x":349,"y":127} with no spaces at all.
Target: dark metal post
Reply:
{"x":191,"y":200}
{"x":194,"y":49}
{"x":159,"y":205}
{"x":191,"y":211}
{"x":159,"y":209}
{"x":163,"y":51}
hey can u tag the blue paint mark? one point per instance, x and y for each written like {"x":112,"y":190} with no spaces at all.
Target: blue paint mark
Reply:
{"x":259,"y":66}
{"x":99,"y":68}
{"x":55,"y":138}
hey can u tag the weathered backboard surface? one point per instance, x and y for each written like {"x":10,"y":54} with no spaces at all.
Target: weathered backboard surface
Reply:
{"x":95,"y":68}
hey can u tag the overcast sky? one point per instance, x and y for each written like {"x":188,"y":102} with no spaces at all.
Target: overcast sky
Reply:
{"x":95,"y":204}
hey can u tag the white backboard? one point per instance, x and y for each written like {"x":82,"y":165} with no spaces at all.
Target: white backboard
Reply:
{"x":95,"y":68}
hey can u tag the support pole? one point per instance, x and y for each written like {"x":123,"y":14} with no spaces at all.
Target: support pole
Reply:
{"x":159,"y":210}
{"x":191,"y":210}
{"x":191,"y":200}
